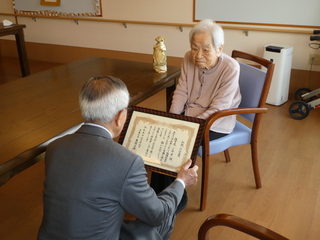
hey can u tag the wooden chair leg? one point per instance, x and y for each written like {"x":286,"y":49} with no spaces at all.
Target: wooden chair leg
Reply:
{"x":255,"y":164}
{"x":227,"y":155}
{"x":204,"y":182}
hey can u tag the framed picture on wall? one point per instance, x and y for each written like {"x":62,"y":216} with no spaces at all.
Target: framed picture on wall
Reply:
{"x":50,"y":2}
{"x":58,"y":8}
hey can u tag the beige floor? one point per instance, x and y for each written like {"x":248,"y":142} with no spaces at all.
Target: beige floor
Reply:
{"x":288,"y":202}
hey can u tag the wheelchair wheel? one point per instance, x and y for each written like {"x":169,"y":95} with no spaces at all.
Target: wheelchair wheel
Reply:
{"x":299,"y":110}
{"x":300,"y":92}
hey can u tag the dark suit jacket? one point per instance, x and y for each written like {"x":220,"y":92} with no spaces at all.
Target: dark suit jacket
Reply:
{"x":91,"y":181}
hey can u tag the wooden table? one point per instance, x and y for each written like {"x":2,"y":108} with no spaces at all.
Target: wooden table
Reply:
{"x":36,"y":109}
{"x":17,"y":31}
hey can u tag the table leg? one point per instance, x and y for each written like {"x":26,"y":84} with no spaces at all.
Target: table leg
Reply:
{"x":24,"y":63}
{"x":169,"y":94}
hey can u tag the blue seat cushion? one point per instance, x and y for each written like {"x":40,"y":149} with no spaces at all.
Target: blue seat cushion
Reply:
{"x":240,"y":135}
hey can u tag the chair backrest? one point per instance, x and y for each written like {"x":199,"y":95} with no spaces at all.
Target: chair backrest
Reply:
{"x":251,"y":83}
{"x":254,"y":82}
{"x":239,"y":224}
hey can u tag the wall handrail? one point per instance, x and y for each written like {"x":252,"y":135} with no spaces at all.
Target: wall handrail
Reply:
{"x":246,"y":29}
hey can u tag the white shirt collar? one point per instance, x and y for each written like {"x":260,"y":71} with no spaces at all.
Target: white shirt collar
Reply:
{"x":99,"y":126}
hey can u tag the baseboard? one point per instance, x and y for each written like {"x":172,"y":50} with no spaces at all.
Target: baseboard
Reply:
{"x":304,"y":79}
{"x":66,"y":54}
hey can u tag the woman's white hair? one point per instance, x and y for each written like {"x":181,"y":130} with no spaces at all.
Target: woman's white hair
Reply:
{"x":216,"y":31}
{"x":102,"y":98}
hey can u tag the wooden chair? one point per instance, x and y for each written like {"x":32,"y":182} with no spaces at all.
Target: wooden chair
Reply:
{"x":254,"y":86}
{"x":239,"y":224}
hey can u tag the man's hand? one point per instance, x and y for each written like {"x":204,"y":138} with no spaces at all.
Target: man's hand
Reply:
{"x":188,"y":175}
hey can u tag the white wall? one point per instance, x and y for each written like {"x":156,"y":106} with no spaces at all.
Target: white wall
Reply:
{"x":140,"y":38}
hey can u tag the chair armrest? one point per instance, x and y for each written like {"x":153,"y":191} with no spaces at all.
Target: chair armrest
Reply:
{"x":239,"y":224}
{"x":233,"y":111}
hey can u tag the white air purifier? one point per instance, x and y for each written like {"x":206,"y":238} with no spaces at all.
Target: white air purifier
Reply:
{"x":281,"y":55}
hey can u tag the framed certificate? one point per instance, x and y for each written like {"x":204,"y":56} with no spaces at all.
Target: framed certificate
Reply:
{"x":165,"y":141}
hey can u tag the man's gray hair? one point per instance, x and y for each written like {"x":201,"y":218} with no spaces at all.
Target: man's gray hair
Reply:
{"x":207,"y":25}
{"x":102,"y":98}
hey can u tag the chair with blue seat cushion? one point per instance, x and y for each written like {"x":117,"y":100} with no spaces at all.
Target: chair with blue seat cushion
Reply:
{"x":254,"y":87}
{"x":238,"y":223}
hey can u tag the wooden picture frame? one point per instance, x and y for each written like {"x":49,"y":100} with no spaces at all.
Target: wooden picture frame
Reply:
{"x":50,"y":2}
{"x":165,"y":141}
{"x":268,"y":14}
{"x":57,"y":8}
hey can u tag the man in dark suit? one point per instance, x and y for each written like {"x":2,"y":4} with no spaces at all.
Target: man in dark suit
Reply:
{"x":91,"y":180}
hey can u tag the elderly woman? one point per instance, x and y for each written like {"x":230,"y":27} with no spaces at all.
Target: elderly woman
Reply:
{"x":209,"y":82}
{"x":209,"y":79}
